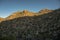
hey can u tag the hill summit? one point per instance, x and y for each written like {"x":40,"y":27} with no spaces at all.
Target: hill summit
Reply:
{"x":45,"y":11}
{"x":25,"y":13}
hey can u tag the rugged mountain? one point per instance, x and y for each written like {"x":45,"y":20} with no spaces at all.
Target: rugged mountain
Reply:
{"x":41,"y":27}
{"x":26,"y":13}
{"x":20,"y":14}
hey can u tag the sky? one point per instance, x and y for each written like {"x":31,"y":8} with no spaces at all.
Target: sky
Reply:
{"x":7,"y":7}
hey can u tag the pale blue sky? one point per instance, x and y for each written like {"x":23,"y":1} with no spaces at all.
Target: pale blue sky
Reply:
{"x":7,"y":7}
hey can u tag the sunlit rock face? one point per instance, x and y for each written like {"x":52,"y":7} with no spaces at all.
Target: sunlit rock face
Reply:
{"x":1,"y":19}
{"x":26,"y":13}
{"x":21,"y":14}
{"x":45,"y":11}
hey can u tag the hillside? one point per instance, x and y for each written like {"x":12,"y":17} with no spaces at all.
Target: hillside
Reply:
{"x":25,"y":13}
{"x":1,"y":19}
{"x":41,"y":27}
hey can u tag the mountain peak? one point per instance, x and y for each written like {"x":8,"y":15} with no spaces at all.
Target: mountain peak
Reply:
{"x":25,"y":11}
{"x":45,"y":10}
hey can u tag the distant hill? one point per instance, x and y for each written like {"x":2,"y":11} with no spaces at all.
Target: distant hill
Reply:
{"x":41,"y":27}
{"x":26,"y":13}
{"x":45,"y":11}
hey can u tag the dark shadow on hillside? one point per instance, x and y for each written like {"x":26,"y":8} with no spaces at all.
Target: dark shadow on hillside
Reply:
{"x":43,"y":27}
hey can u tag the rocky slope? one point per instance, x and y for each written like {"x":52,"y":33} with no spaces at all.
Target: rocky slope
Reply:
{"x":26,"y":13}
{"x":1,"y":19}
{"x":20,"y":14}
{"x":41,"y":27}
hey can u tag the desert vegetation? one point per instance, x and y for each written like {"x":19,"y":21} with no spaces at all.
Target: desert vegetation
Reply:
{"x":41,"y":27}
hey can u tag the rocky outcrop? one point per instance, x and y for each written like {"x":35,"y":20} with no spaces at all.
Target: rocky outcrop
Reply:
{"x":45,"y":11}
